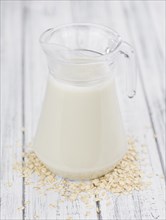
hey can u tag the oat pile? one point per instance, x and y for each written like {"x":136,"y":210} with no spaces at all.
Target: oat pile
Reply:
{"x":124,"y":178}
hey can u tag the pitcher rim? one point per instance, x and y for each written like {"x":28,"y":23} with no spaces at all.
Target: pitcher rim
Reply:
{"x":98,"y":59}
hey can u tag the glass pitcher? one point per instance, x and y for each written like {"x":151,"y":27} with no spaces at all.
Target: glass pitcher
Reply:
{"x":80,"y":133}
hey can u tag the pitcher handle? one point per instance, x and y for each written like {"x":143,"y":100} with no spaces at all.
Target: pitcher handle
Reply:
{"x":128,"y":52}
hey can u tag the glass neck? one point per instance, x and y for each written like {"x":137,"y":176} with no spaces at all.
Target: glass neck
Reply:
{"x":83,"y":53}
{"x":79,"y":70}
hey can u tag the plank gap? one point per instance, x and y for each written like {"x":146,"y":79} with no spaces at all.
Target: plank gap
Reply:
{"x":24,"y":16}
{"x":99,"y":216}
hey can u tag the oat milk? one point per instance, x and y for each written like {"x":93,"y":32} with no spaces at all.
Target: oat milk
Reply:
{"x":80,"y":133}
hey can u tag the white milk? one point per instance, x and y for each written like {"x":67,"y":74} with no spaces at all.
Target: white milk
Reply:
{"x":80,"y":133}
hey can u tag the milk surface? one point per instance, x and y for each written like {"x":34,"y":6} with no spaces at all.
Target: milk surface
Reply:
{"x":80,"y":133}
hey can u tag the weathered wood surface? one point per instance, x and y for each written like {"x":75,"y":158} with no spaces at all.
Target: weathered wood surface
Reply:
{"x":24,"y":72}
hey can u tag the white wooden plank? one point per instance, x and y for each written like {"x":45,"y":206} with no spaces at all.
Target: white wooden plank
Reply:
{"x":39,"y":19}
{"x":152,"y":69}
{"x":40,"y":16}
{"x":11,"y":184}
{"x":156,"y":11}
{"x":90,"y":12}
{"x":148,"y":204}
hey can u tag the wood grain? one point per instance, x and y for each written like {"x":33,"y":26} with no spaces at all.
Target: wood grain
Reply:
{"x":11,"y":185}
{"x":151,"y":66}
{"x":24,"y":77}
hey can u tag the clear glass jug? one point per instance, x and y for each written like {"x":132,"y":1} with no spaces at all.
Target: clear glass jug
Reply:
{"x":80,"y":133}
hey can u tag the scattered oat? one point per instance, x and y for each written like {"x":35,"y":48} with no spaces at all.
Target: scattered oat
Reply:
{"x":36,"y":216}
{"x":155,"y":136}
{"x":144,"y":146}
{"x":97,"y":199}
{"x":87,"y":213}
{"x":97,"y":210}
{"x":20,"y":208}
{"x":23,"y":129}
{"x":18,"y":144}
{"x":30,"y":144}
{"x":124,"y":178}
{"x":108,"y":203}
{"x":52,"y":205}
{"x":9,"y":184}
{"x":69,"y":218}
{"x":27,"y":202}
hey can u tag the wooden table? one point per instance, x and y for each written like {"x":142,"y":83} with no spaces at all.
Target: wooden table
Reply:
{"x":24,"y":72}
